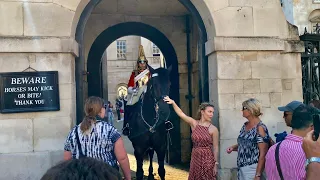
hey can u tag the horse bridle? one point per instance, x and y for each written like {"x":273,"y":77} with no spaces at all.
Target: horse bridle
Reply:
{"x":156,"y":107}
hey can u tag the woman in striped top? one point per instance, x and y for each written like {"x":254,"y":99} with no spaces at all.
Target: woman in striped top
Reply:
{"x":97,"y":139}
{"x":253,"y":142}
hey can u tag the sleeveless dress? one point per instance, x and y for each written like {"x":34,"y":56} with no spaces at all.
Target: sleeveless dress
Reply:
{"x":202,"y":157}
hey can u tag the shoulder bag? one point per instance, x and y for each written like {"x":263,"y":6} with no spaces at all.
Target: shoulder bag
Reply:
{"x":278,"y":160}
{"x":81,"y":155}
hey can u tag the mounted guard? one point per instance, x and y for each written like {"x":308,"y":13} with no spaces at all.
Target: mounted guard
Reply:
{"x":137,"y":85}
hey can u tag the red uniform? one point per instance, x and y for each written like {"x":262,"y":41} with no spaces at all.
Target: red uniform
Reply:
{"x":131,"y":80}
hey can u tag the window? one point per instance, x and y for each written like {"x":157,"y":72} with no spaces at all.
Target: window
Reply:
{"x":121,"y":49}
{"x":155,"y":50}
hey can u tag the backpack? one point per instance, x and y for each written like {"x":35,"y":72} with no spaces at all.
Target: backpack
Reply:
{"x":280,"y":136}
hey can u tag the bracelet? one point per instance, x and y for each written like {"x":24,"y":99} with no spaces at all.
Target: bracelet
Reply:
{"x":258,"y":175}
{"x":216,"y":163}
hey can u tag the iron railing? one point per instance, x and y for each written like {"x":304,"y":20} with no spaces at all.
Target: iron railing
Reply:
{"x":310,"y":60}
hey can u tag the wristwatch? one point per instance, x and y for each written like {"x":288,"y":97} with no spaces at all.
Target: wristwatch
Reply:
{"x":312,"y":159}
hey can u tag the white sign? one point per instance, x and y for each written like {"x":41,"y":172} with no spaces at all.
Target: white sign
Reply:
{"x":316,"y":1}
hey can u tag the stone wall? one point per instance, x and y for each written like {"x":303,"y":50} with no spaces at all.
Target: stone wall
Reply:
{"x":255,"y":55}
{"x":33,"y":142}
{"x":37,"y":34}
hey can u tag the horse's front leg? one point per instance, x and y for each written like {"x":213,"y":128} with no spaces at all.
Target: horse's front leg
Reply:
{"x":139,"y":159}
{"x":151,"y":153}
{"x":161,"y":155}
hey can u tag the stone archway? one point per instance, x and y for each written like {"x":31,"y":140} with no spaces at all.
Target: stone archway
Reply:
{"x":139,"y":29}
{"x":83,"y":13}
{"x":125,"y":29}
{"x":202,"y":81}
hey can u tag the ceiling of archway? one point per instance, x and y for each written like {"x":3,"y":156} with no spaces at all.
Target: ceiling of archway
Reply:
{"x":141,"y":7}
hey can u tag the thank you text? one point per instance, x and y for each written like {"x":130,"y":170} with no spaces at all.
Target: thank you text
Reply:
{"x":29,"y":91}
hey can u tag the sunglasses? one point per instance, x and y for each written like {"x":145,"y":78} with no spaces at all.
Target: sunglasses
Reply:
{"x":244,"y":108}
{"x":286,"y":114}
{"x":142,"y":62}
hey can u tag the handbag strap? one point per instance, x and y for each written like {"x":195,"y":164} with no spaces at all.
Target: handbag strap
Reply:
{"x":278,"y":161}
{"x":79,"y":144}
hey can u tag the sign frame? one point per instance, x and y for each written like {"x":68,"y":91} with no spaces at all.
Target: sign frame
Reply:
{"x":55,"y":75}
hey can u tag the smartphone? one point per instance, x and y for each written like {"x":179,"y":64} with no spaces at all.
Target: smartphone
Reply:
{"x":316,"y":125}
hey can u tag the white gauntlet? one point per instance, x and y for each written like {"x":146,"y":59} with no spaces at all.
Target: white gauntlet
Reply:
{"x":131,"y":90}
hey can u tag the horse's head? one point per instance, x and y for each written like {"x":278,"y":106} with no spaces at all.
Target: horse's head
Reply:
{"x":159,"y":83}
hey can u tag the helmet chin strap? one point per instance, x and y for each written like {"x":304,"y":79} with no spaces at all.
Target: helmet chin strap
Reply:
{"x":142,"y":69}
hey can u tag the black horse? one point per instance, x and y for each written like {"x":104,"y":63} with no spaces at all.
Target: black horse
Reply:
{"x":149,"y":123}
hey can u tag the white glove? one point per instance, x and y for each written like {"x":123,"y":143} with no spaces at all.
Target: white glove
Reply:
{"x":132,"y":90}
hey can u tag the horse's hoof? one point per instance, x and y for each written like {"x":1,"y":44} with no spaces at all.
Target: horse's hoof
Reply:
{"x":150,"y":177}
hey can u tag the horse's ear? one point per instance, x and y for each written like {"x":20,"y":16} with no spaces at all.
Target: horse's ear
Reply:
{"x":170,"y":69}
{"x":151,"y":69}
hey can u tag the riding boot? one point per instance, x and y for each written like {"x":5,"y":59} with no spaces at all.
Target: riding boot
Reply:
{"x":126,"y":129}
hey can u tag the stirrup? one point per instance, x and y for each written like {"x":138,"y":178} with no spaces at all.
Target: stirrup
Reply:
{"x":126,"y":130}
{"x":169,"y":125}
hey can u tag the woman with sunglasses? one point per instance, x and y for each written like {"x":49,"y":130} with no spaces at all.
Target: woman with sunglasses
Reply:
{"x":253,"y":143}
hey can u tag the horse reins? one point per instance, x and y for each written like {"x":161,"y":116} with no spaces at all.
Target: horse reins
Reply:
{"x":156,"y":107}
{"x":151,"y":128}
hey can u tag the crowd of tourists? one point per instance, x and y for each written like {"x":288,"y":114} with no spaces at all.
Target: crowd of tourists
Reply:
{"x":94,"y":149}
{"x":119,"y":109}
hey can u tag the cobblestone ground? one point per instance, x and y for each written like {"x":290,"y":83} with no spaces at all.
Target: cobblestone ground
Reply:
{"x":172,"y":173}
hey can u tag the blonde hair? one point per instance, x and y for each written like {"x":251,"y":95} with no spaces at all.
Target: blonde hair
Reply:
{"x":92,"y":108}
{"x":203,"y":106}
{"x":254,"y":106}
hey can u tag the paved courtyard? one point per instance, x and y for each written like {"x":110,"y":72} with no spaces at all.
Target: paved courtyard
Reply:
{"x":172,"y":172}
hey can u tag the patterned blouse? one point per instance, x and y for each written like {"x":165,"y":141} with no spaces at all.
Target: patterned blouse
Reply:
{"x":248,"y":151}
{"x":99,"y":144}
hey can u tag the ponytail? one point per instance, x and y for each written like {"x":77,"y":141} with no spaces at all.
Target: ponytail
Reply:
{"x":86,"y":123}
{"x":92,"y":108}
